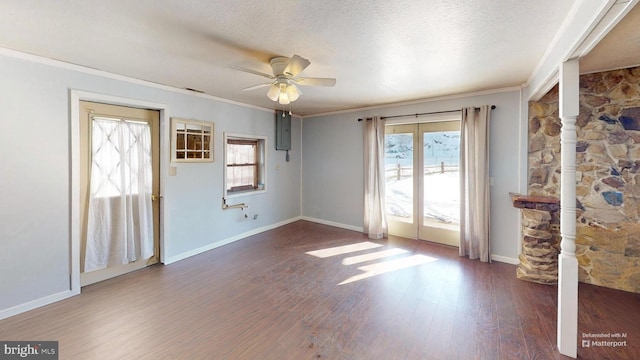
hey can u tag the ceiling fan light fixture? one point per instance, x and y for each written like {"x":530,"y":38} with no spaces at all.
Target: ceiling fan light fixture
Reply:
{"x":293,"y":93}
{"x":283,"y":98}
{"x":274,"y":92}
{"x":283,"y":92}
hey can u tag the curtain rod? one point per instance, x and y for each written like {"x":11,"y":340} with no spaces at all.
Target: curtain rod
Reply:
{"x":419,"y":114}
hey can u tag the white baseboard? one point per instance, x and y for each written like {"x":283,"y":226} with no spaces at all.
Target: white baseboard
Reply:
{"x":226,"y":241}
{"x":331,"y":223}
{"x":36,"y":303}
{"x":505,"y":259}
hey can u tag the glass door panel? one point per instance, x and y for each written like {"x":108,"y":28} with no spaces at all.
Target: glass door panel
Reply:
{"x":400,"y":185}
{"x":440,"y":182}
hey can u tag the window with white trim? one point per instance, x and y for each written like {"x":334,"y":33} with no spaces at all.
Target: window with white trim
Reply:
{"x":192,"y":140}
{"x":244,"y":164}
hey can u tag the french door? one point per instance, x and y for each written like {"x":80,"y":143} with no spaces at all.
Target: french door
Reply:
{"x":422,"y":181}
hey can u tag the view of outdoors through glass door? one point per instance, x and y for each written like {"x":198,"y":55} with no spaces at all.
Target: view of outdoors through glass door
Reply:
{"x":422,"y":180}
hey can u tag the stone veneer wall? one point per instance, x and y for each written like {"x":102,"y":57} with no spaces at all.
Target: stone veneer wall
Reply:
{"x":608,"y":173}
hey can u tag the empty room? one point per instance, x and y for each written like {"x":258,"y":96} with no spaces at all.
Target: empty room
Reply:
{"x":320,"y":179}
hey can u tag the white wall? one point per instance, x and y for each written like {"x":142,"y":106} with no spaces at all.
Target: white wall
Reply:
{"x":35,"y":176}
{"x":332,"y":169}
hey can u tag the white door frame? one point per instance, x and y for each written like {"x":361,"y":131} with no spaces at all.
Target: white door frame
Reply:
{"x":75,"y":97}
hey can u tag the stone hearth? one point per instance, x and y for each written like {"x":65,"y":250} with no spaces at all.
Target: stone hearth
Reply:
{"x":540,"y":238}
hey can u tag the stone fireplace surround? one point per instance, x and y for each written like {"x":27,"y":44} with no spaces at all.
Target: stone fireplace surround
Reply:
{"x":540,"y":238}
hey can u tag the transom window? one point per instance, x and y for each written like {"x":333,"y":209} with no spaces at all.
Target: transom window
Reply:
{"x":244,"y":163}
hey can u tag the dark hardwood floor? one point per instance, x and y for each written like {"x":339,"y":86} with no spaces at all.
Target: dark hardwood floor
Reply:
{"x":310,"y":291}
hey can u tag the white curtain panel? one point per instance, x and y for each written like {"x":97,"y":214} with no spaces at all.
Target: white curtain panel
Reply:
{"x":120,"y":215}
{"x":375,"y":220}
{"x":474,"y":183}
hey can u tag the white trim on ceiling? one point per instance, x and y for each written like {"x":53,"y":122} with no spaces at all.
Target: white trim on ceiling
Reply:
{"x":420,"y":101}
{"x":87,"y":70}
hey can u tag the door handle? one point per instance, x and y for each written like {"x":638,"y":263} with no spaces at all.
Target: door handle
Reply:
{"x":155,"y":197}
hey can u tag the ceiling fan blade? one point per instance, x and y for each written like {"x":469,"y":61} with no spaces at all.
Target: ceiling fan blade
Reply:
{"x":251,"y":71}
{"x":256,"y":86}
{"x":316,"y":81}
{"x":296,"y":65}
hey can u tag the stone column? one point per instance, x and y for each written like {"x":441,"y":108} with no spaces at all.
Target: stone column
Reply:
{"x":539,"y":257}
{"x":540,"y":238}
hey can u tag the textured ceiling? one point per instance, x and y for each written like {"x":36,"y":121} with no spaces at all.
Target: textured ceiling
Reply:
{"x":379,"y":51}
{"x":619,"y":49}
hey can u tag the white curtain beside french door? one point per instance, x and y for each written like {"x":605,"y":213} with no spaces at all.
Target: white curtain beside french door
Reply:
{"x":475,"y":214}
{"x":120,"y":213}
{"x":375,"y":218}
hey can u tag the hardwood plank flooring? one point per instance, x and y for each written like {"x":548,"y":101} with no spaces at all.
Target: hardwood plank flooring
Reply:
{"x":311,"y":291}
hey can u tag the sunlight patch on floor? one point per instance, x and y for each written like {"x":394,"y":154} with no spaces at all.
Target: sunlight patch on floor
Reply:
{"x":381,"y":264}
{"x":373,"y":256}
{"x":389,"y":266}
{"x":345,"y":249}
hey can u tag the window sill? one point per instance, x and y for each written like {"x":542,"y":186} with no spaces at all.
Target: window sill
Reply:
{"x":244,"y":193}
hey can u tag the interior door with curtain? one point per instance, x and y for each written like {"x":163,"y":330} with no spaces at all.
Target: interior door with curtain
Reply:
{"x":120,"y":217}
{"x":121,"y":187}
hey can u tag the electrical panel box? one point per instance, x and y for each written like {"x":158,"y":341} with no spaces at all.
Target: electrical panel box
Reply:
{"x":283,"y":131}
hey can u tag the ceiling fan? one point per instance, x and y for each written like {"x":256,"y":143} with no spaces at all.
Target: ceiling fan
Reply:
{"x":283,"y":88}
